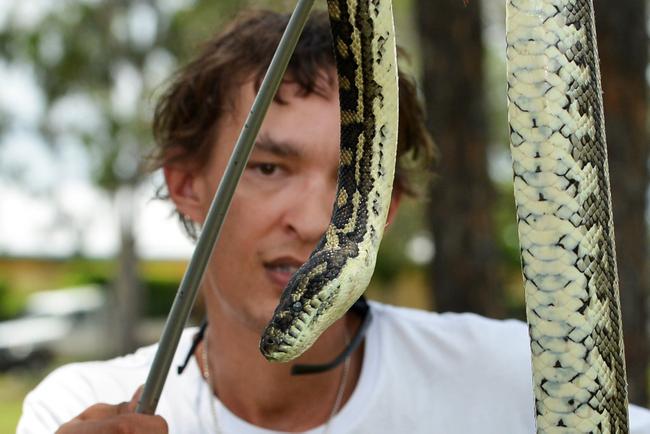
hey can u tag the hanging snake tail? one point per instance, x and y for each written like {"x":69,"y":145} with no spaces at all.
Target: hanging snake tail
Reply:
{"x":564,"y":215}
{"x":339,"y":269}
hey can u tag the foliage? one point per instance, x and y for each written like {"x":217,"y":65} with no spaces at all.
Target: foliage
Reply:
{"x":90,"y":58}
{"x":392,"y":261}
{"x":160,"y":279}
{"x":11,"y":302}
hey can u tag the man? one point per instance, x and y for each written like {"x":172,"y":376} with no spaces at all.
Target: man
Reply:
{"x":415,"y":372}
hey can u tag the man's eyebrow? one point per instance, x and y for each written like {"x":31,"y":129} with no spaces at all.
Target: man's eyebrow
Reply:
{"x":280,"y":149}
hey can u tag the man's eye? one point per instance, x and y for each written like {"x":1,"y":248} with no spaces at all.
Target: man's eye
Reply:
{"x":267,"y":168}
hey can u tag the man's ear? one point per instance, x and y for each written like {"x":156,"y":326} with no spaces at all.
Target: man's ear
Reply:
{"x":395,"y":200}
{"x":181,"y":184}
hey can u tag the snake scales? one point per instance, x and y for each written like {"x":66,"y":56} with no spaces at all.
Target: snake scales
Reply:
{"x":564,"y":214}
{"x":561,"y":191}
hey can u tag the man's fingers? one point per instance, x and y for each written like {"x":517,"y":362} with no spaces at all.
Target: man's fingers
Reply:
{"x":123,"y":408}
{"x":115,"y":419}
{"x":140,"y":424}
{"x":133,"y":404}
{"x":99,"y":411}
{"x":102,"y":411}
{"x":116,"y":424}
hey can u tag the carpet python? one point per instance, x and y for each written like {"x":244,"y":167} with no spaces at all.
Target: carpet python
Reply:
{"x":339,"y":269}
{"x":566,"y":235}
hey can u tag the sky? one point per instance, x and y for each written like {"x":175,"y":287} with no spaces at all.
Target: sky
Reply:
{"x":75,"y":216}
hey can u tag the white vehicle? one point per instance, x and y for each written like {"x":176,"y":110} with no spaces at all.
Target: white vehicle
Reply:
{"x":67,"y":322}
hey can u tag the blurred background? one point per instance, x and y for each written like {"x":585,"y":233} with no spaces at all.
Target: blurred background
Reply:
{"x":89,"y":262}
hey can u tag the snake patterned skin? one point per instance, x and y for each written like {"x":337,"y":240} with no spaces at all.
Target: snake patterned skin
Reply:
{"x":564,"y":217}
{"x":339,"y":269}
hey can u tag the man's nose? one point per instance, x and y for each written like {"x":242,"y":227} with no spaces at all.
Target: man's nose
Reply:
{"x":310,"y":209}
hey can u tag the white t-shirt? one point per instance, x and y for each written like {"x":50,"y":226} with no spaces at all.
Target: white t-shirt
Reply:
{"x":422,"y":373}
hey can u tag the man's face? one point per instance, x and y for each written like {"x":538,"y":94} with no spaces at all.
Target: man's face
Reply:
{"x":282,"y":204}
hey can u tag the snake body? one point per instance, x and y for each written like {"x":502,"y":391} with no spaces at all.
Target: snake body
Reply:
{"x":339,"y":269}
{"x":564,"y":217}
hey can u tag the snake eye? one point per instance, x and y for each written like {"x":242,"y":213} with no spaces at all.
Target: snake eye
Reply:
{"x":297,"y":306}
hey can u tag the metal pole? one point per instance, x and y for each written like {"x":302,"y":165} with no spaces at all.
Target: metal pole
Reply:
{"x":210,"y":233}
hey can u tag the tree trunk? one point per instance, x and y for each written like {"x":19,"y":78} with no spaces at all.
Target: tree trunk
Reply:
{"x":128,"y":292}
{"x":464,"y":273}
{"x":622,"y":42}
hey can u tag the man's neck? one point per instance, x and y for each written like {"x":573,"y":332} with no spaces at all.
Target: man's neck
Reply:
{"x":266,"y":394}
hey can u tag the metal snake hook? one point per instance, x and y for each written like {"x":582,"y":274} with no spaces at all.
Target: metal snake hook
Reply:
{"x":210,"y":232}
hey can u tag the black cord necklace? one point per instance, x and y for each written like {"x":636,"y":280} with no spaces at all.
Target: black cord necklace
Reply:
{"x":360,"y":307}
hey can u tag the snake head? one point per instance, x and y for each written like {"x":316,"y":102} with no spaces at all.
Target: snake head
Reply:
{"x":288,"y":334}
{"x":314,"y":298}
{"x":298,"y":318}
{"x":273,"y":344}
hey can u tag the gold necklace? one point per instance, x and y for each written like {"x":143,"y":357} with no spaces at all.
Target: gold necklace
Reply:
{"x":213,"y":408}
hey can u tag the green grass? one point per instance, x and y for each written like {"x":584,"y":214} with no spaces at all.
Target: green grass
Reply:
{"x":10,"y":412}
{"x":13,"y":388}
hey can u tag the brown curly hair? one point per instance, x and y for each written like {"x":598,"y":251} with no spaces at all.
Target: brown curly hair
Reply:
{"x":200,"y":93}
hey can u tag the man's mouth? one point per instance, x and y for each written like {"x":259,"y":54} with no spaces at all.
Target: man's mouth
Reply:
{"x":280,"y":270}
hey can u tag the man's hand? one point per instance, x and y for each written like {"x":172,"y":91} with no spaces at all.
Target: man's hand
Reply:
{"x":115,"y":419}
